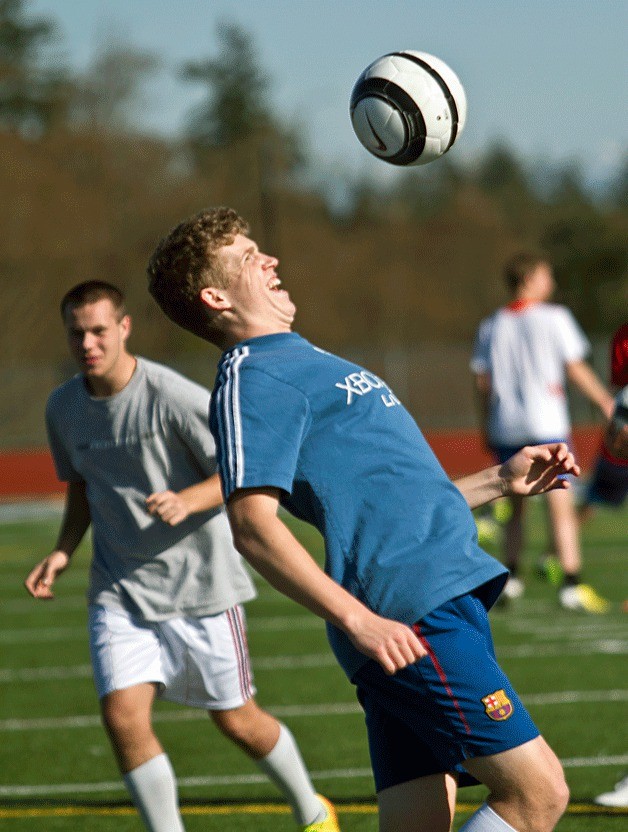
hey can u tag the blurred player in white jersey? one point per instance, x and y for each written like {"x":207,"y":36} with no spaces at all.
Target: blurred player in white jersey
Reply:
{"x":131,"y":439}
{"x":523,"y":355}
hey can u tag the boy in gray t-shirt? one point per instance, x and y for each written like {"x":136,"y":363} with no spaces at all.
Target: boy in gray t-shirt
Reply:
{"x":131,"y":439}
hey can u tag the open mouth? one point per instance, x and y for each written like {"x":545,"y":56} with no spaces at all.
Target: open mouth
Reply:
{"x":274,"y":284}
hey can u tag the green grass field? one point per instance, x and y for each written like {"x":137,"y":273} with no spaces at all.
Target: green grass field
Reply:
{"x":57,"y":772}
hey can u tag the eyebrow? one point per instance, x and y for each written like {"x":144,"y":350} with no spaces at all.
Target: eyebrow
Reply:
{"x":75,"y":330}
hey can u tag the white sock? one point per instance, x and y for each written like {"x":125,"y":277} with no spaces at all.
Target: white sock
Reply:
{"x":486,"y":820}
{"x":285,"y":767}
{"x":154,"y":791}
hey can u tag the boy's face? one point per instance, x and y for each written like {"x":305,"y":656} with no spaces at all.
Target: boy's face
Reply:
{"x":97,"y":337}
{"x":254,"y":292}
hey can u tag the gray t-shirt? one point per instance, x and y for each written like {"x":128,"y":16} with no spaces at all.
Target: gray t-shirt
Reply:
{"x":149,"y":437}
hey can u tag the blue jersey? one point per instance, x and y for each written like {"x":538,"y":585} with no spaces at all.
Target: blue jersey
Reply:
{"x":349,"y":459}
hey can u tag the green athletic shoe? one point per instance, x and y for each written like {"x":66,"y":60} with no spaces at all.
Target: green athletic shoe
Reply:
{"x":330,"y":824}
{"x":502,"y":511}
{"x":488,"y":531}
{"x":550,"y":570}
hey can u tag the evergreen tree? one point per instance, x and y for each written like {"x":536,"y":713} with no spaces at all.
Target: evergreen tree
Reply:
{"x":108,"y":94}
{"x":500,"y":172}
{"x":590,"y":260}
{"x":235,"y":106}
{"x":32,"y":98}
{"x":234,"y":137}
{"x":619,"y":188}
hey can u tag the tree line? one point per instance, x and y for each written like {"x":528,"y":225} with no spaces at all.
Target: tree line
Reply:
{"x":413,"y":261}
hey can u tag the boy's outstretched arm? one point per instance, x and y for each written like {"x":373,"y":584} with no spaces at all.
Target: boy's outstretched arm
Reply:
{"x":534,"y":469}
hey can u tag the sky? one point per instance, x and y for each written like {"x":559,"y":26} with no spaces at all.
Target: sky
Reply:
{"x":549,"y":77}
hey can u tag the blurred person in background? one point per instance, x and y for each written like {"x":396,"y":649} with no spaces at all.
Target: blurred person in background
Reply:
{"x":523,"y":355}
{"x":131,"y":439}
{"x":610,"y":483}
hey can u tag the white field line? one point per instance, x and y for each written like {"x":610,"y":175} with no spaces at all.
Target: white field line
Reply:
{"x":569,"y":697}
{"x":36,"y":674}
{"x":78,"y":600}
{"x":31,"y":510}
{"x":567,"y":629}
{"x":260,"y":622}
{"x":249,"y":779}
{"x":608,"y":647}
{"x":519,"y":623}
{"x":299,"y":662}
{"x":84,"y":671}
{"x":28,"y":606}
{"x":37,"y":635}
{"x":526,"y":620}
{"x":179,"y":715}
{"x":280,"y":623}
{"x":16,"y":576}
{"x":522,"y":622}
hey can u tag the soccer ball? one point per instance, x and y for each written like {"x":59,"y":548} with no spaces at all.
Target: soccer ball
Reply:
{"x":408,"y":108}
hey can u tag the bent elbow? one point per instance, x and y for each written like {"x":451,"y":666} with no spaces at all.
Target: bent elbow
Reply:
{"x":242,"y":539}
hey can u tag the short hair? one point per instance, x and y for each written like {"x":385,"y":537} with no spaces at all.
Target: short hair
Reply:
{"x":519,"y":265}
{"x":91,"y":291}
{"x":185,"y":262}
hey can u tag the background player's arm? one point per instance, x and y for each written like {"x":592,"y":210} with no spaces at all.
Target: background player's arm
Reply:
{"x":76,"y":521}
{"x":616,"y":434}
{"x":616,"y":440}
{"x":585,"y":379}
{"x":173,"y":507}
{"x":271,"y":548}
{"x":482,"y":382}
{"x":533,"y":470}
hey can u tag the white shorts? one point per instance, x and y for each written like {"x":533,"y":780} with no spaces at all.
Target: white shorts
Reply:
{"x":201,"y":662}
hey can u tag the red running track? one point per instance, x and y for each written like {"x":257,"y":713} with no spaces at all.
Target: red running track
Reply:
{"x":29,"y":474}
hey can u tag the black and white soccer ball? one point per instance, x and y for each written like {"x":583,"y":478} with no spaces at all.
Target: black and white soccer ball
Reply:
{"x":408,"y":108}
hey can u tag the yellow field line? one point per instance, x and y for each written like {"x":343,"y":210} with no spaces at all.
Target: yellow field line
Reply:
{"x":253,"y":809}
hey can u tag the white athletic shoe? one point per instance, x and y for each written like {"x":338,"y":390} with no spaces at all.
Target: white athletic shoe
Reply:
{"x":582,"y":598}
{"x":514,"y":588}
{"x":618,"y":797}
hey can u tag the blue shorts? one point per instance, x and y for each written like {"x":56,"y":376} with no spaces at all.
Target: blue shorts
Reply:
{"x":454,"y":704}
{"x":608,"y":483}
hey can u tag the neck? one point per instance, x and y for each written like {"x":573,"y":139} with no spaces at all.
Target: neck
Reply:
{"x":227,"y":340}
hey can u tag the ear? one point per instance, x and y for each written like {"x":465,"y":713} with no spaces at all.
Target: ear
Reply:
{"x":215,"y":299}
{"x":125,"y":323}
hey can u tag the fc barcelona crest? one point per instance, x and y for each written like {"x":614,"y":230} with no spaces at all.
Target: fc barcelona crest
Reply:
{"x":497,"y":705}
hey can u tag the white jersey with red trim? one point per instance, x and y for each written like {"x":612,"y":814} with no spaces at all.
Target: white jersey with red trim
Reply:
{"x":525,"y":349}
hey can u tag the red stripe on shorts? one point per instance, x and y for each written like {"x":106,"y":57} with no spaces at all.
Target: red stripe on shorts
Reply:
{"x":236,"y":624}
{"x":245,"y":650}
{"x":442,"y":676}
